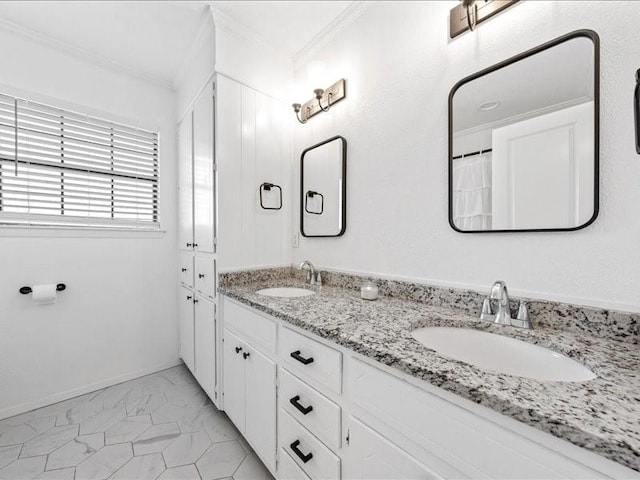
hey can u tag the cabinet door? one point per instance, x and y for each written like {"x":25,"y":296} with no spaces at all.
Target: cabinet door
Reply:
{"x":370,"y":456}
{"x":186,"y":269}
{"x":186,"y":328}
{"x":234,"y":386}
{"x":205,"y":275}
{"x":203,"y":172}
{"x":185,"y":183}
{"x":205,"y":345}
{"x":260,"y":404}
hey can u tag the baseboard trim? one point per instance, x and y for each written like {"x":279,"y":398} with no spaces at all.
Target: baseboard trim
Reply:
{"x":76,"y":392}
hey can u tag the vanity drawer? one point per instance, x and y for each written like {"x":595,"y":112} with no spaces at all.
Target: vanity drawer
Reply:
{"x":205,"y":276}
{"x":311,"y":359}
{"x":288,"y":469}
{"x":260,"y":329}
{"x":186,"y":269}
{"x":306,"y":450}
{"x":315,"y":411}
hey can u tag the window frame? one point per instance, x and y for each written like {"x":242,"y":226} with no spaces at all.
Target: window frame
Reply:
{"x":29,"y":224}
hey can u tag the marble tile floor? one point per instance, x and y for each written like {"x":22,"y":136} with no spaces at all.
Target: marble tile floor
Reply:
{"x":161,"y":426}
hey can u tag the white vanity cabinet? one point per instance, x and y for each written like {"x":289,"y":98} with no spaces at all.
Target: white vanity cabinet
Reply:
{"x":186,"y":327}
{"x":204,"y":194}
{"x":345,"y":416}
{"x":250,"y":376}
{"x":205,"y":344}
{"x":373,"y":457}
{"x":204,"y":275}
{"x":198,"y":328}
{"x":197,"y":332}
{"x":185,"y":183}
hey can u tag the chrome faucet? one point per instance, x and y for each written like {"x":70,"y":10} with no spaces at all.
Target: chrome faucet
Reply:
{"x":495,"y":308}
{"x":312,"y":276}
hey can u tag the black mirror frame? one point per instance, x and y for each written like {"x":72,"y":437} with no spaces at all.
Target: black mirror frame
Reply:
{"x":344,"y":187}
{"x":593,"y":36}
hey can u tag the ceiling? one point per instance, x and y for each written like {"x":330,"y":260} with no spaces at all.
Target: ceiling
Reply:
{"x":286,"y":25}
{"x":557,"y":77}
{"x":151,"y":38}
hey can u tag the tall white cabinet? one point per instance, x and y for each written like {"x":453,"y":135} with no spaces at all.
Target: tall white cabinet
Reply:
{"x":197,"y":242}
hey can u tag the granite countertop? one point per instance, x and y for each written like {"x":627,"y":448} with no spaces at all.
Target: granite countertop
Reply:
{"x":601,"y":415}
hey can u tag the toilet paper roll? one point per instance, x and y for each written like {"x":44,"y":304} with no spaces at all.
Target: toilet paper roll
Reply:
{"x":44,"y":294}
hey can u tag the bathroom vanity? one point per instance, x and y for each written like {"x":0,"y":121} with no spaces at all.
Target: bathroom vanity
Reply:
{"x":332,"y":386}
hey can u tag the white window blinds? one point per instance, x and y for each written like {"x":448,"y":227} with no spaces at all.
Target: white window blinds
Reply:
{"x":67,"y":169}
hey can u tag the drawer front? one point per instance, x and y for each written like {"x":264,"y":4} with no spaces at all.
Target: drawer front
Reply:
{"x":261,"y":330}
{"x":463,"y":439}
{"x":186,"y":269}
{"x":320,"y":415}
{"x":205,"y":276}
{"x":317,"y":461}
{"x":311,"y":359}
{"x":288,"y":469}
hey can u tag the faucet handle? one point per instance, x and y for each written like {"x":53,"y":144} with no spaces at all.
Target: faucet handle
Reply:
{"x":522,"y":320}
{"x":486,"y":313}
{"x":523,"y":312}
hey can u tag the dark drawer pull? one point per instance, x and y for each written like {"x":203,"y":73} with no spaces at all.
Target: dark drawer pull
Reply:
{"x":246,"y":355}
{"x":189,"y":297}
{"x":300,"y":358}
{"x":201,"y":275}
{"x":295,"y":401}
{"x":238,"y":349}
{"x":195,"y":300}
{"x":301,"y":456}
{"x":183,"y":269}
{"x":189,"y":244}
{"x":195,"y":244}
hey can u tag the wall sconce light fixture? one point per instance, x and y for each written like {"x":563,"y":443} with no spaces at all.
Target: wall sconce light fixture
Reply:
{"x":469,"y":13}
{"x":323,"y":100}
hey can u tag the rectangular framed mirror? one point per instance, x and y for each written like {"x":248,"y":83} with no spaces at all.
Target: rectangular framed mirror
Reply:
{"x":323,"y":189}
{"x":523,"y":141}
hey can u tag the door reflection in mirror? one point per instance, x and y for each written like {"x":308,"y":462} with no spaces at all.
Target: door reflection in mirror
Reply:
{"x":523,"y":141}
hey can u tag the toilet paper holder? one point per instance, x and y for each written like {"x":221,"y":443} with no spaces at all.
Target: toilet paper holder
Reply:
{"x":27,"y":290}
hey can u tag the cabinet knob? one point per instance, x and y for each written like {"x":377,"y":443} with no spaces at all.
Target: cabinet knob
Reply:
{"x":238,"y":349}
{"x":300,"y":358}
{"x":201,"y":275}
{"x":189,"y":297}
{"x":195,"y":245}
{"x":183,"y":269}
{"x":246,"y":355}
{"x":305,"y":458}
{"x":189,"y":244}
{"x":295,"y":401}
{"x":195,"y":300}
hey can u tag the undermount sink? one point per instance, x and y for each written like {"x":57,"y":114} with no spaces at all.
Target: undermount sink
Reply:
{"x":501,"y":354}
{"x":289,"y":292}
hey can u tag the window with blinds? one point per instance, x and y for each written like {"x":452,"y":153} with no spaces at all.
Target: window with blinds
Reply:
{"x":62,"y":168}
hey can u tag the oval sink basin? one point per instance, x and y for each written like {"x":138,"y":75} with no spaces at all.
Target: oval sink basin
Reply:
{"x":500,"y":354}
{"x":289,"y":292}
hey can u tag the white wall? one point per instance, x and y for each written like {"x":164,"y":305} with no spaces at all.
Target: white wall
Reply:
{"x":249,"y":61}
{"x":115,"y":320}
{"x":400,"y":66}
{"x":197,"y":67}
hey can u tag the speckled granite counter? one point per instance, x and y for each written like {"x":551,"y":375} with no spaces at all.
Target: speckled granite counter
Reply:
{"x":601,"y":415}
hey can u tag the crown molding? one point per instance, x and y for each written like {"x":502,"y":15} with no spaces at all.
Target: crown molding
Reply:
{"x":83,"y":54}
{"x":229,"y":25}
{"x":342,"y":21}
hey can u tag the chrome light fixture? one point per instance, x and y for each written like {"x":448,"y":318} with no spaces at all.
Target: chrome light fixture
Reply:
{"x":323,"y":100}
{"x":468,"y":14}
